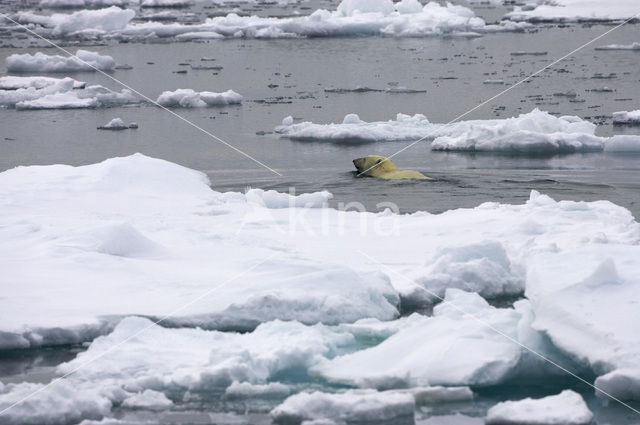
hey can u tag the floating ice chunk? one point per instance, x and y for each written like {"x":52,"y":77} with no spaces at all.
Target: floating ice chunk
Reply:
{"x":64,"y":100}
{"x":349,"y":406}
{"x":60,"y":403}
{"x":493,"y":82}
{"x":623,"y":384}
{"x":627,"y":117}
{"x":273,"y":199}
{"x":566,"y":408}
{"x":111,"y":19}
{"x":14,"y":83}
{"x":84,"y":60}
{"x":437,"y":395}
{"x":575,"y":11}
{"x":148,"y":400}
{"x":188,"y":98}
{"x":535,"y":132}
{"x":633,"y":46}
{"x":117,"y":124}
{"x":247,"y":390}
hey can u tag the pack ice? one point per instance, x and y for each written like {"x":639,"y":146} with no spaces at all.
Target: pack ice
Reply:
{"x":129,"y":241}
{"x":351,"y":17}
{"x":533,"y":132}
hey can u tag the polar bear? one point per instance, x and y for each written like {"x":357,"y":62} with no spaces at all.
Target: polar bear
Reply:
{"x":383,"y":168}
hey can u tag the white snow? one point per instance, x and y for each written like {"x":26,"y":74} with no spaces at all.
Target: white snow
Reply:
{"x":60,"y":94}
{"x":349,"y":406}
{"x":533,"y":132}
{"x":576,"y":11}
{"x":84,"y":60}
{"x":188,"y":98}
{"x":626,"y":117}
{"x":566,"y":408}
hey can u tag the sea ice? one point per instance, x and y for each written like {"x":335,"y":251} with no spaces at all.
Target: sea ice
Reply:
{"x":566,"y":408}
{"x":633,"y":46}
{"x":533,"y":132}
{"x":576,"y":11}
{"x":84,"y":60}
{"x":626,"y":117}
{"x":11,"y":82}
{"x":108,"y":20}
{"x":349,"y":406}
{"x":187,"y":98}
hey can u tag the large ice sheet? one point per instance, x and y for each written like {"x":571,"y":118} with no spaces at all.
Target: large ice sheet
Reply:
{"x":576,"y":11}
{"x":534,"y":132}
{"x":146,"y":241}
{"x":84,"y":60}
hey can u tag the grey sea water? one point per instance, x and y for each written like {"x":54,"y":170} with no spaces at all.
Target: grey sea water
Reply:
{"x":287,"y":77}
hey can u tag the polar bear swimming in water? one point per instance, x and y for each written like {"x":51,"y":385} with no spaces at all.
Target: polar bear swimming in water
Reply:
{"x":383,"y":168}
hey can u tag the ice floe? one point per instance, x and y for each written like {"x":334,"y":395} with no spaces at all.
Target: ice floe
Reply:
{"x":100,"y":21}
{"x":633,"y":46}
{"x":83,"y":60}
{"x":535,"y":132}
{"x":350,"y":406}
{"x":68,"y":4}
{"x":576,"y":11}
{"x":117,"y":124}
{"x":13,"y":83}
{"x":626,"y":117}
{"x":566,"y":408}
{"x":64,"y":93}
{"x":188,"y":98}
{"x":407,"y":18}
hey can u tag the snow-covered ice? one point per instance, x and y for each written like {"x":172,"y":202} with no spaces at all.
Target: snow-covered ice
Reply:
{"x":407,"y":18}
{"x":533,"y":132}
{"x":83,"y":60}
{"x":158,"y":233}
{"x":100,"y":21}
{"x":117,"y":124}
{"x":188,"y":98}
{"x":576,"y":11}
{"x":68,"y":4}
{"x":64,"y":93}
{"x":566,"y":408}
{"x":626,"y":117}
{"x":11,"y":82}
{"x":350,"y":406}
